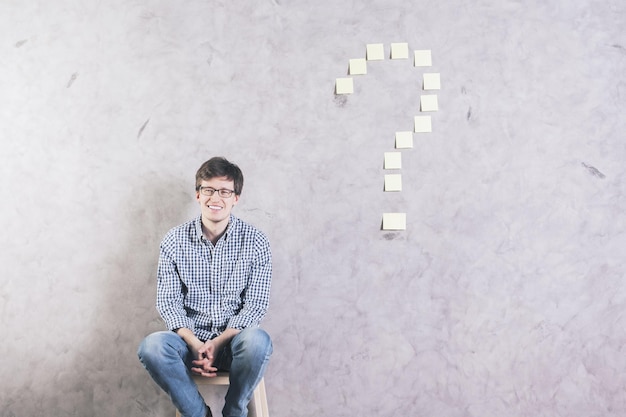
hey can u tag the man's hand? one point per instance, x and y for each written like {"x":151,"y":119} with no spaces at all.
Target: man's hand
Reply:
{"x":205,"y":355}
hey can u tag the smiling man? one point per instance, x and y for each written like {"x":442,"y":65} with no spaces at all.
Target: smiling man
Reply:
{"x":213,"y":289}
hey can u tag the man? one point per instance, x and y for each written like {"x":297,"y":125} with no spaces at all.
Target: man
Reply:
{"x":214,"y":278}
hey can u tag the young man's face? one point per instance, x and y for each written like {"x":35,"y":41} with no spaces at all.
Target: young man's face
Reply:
{"x":216,"y":209}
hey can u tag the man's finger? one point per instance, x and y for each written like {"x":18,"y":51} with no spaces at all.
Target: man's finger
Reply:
{"x":201,"y":362}
{"x":198,"y":371}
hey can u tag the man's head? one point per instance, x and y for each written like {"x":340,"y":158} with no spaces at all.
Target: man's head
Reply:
{"x":219,"y":167}
{"x":218,"y":186}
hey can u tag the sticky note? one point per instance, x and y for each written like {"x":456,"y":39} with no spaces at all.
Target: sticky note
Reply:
{"x":375,"y":52}
{"x":432,"y":81}
{"x":423,"y":124}
{"x":404,"y":140}
{"x":429,"y":103}
{"x":399,"y":50}
{"x":394,"y":221}
{"x":344,"y":86}
{"x":393,"y":182}
{"x":393,"y":160}
{"x":423,"y":58}
{"x":358,"y":66}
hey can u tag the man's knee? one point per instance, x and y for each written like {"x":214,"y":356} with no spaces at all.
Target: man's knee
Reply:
{"x":156,"y":346}
{"x":253,"y":339}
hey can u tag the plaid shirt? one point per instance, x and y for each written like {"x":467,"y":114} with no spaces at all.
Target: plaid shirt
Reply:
{"x":208,"y":288}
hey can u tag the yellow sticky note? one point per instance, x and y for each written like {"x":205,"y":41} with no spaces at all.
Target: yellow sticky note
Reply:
{"x":432,"y":81}
{"x":423,"y":124}
{"x":423,"y":58}
{"x":393,"y":182}
{"x":429,"y":103}
{"x":394,"y":221}
{"x":404,"y":140}
{"x":344,"y":86}
{"x":375,"y":52}
{"x":358,"y":66}
{"x":399,"y":50}
{"x":393,"y":160}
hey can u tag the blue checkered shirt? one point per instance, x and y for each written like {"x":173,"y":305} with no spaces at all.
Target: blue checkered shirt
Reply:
{"x":208,"y":288}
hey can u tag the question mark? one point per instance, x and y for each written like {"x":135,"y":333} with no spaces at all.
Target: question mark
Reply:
{"x":422,"y":123}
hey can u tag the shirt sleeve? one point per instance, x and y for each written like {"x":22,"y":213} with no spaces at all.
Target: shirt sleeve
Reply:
{"x":170,"y":289}
{"x":257,"y":294}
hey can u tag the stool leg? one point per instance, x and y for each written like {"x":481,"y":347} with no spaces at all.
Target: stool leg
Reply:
{"x":263,"y":395}
{"x":258,"y":402}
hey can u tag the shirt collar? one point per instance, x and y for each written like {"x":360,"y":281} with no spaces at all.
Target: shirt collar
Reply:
{"x":227,"y":233}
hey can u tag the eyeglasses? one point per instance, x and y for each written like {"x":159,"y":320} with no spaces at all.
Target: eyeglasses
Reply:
{"x":208,"y":191}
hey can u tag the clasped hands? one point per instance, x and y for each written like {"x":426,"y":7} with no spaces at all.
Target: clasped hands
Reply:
{"x":205,"y":355}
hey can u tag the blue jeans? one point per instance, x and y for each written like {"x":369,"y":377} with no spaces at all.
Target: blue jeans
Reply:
{"x":167,"y":358}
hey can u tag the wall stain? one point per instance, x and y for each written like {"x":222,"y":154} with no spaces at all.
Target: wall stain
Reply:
{"x":594,"y":171}
{"x":390,"y":236}
{"x":142,"y":128}
{"x":72,"y":79}
{"x":341,"y":100}
{"x":20,"y":43}
{"x":618,"y":46}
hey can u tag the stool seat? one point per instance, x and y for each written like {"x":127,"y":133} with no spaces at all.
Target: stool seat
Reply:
{"x":258,"y":403}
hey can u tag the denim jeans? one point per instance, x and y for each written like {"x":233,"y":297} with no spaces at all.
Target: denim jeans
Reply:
{"x":167,"y":358}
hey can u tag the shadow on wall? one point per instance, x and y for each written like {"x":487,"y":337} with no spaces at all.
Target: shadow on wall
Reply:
{"x":130,"y":302}
{"x":106,"y":377}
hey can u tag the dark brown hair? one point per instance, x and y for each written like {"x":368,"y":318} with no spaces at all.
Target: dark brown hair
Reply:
{"x":220,"y":167}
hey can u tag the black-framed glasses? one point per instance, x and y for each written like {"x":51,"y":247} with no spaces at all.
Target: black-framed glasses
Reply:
{"x":209,"y":191}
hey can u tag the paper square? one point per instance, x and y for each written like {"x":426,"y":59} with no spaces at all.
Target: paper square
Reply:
{"x":393,"y":160}
{"x":429,"y":103}
{"x":358,"y":66}
{"x":393,"y":182}
{"x":432,"y":81}
{"x":423,"y":124}
{"x":344,"y":86}
{"x":423,"y":58}
{"x":404,"y":140}
{"x":399,"y":50}
{"x":394,"y":221}
{"x":375,"y":52}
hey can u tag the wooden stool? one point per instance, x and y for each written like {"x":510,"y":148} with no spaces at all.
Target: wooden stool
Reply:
{"x":258,"y":403}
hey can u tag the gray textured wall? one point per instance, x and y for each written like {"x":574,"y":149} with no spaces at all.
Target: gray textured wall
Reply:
{"x":504,"y":296}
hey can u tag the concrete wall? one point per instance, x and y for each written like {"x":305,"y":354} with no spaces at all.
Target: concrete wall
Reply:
{"x":504,"y":296}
